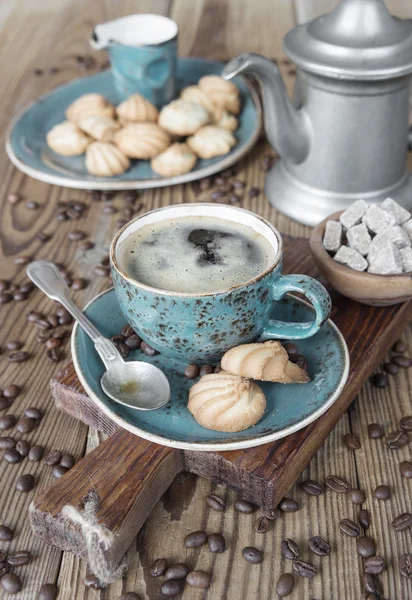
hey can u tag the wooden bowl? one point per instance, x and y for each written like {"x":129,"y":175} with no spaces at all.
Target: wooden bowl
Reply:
{"x":367,"y":288}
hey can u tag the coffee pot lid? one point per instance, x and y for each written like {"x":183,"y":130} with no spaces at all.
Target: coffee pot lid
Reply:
{"x":359,"y":40}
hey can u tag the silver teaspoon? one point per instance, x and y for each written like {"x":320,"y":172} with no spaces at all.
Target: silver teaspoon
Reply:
{"x":135,"y":384}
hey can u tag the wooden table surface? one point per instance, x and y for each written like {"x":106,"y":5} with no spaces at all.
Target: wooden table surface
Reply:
{"x":51,"y":33}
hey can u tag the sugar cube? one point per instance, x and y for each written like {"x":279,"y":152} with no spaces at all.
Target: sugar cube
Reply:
{"x":395,"y":235}
{"x":351,"y":258}
{"x":332,"y":240}
{"x":353,"y":214}
{"x":359,"y":238}
{"x":408,"y":228}
{"x":406,"y":257}
{"x":377,"y":219}
{"x":385,"y":261}
{"x":396,"y":210}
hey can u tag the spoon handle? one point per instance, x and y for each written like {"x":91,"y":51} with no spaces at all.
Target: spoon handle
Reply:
{"x":46,"y":276}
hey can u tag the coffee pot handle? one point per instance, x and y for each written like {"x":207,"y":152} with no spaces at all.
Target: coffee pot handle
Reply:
{"x":314,"y":292}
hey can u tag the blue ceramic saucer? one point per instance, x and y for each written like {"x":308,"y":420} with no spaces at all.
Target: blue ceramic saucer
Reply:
{"x":289,"y":407}
{"x":26,"y":139}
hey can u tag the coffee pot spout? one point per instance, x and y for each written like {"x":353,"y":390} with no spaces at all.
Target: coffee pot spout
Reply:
{"x":286,"y":127}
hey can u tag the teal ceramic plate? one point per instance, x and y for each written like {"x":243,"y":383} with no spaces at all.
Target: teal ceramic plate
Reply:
{"x":27,"y":148}
{"x":289,"y":407}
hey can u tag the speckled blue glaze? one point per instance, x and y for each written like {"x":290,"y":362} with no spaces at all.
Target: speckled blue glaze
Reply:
{"x":289,"y":407}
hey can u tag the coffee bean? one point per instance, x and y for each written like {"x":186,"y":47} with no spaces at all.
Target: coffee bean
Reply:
{"x":7,"y":422}
{"x":144,"y":347}
{"x":191,"y":371}
{"x":92,"y":582}
{"x":58,"y":471}
{"x":118,"y":338}
{"x":6,"y":534}
{"x":382,"y":492}
{"x":206,"y":370}
{"x":406,"y":423}
{"x":400,"y":347}
{"x":33,"y":413}
{"x":402,"y":521}
{"x":349,"y":527}
{"x":19,"y":356}
{"x":23,"y":447}
{"x":42,"y":324}
{"x":366,"y":546}
{"x":402,"y":361}
{"x":55,"y":355}
{"x":397,"y":439}
{"x":11,"y":583}
{"x":43,"y":237}
{"x":252,"y":555}
{"x":19,"y":558}
{"x":390,"y":368}
{"x":369,"y":582}
{"x":358,"y":496}
{"x":262,"y":524}
{"x":176,"y":571}
{"x":288,"y":505}
{"x":304,"y":569}
{"x":253,"y":192}
{"x":364,"y":518}
{"x":48,"y":591}
{"x":216,"y":543}
{"x":158,"y":567}
{"x":374,"y":564}
{"x":19,"y":297}
{"x":285,"y":585}
{"x":53,"y":320}
{"x":319,"y":546}
{"x":26,"y":425}
{"x":172,"y":588}
{"x":215,"y":502}
{"x":133,"y":341}
{"x":72,"y":214}
{"x":405,"y":468}
{"x":380,"y":380}
{"x":36,"y":453}
{"x":289,"y":549}
{"x":351,"y":441}
{"x":129,"y":596}
{"x":5,"y":403}
{"x":198,"y":579}
{"x":14,"y":345}
{"x":65,"y":319}
{"x":299,"y":360}
{"x":405,"y":565}
{"x":22,"y":260}
{"x":195,"y":539}
{"x":123,"y":349}
{"x":375,"y":431}
{"x":13,"y":198}
{"x":53,"y":458}
{"x":5,"y":297}
{"x":25,"y":483}
{"x":32,"y":204}
{"x":67,"y":461}
{"x":217,"y":195}
{"x":86,"y":245}
{"x":101,"y":271}
{"x":245,"y":507}
{"x":76,"y":236}
{"x":338,"y":484}
{"x":7,"y":443}
{"x":12,"y":456}
{"x":79,"y":283}
{"x":314,"y":488}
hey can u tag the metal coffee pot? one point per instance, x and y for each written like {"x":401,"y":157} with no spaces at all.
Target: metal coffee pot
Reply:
{"x":344,"y":135}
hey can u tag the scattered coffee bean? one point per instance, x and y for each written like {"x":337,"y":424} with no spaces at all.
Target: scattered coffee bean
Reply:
{"x":5,"y":297}
{"x":7,"y":422}
{"x":23,"y":447}
{"x":288,"y":505}
{"x":198,"y":579}
{"x":206,"y":370}
{"x":67,"y":461}
{"x":390,"y":368}
{"x":129,"y":596}
{"x":14,"y":345}
{"x":405,"y":468}
{"x":366,"y":546}
{"x":48,"y":591}
{"x":245,"y":507}
{"x":176,"y":571}
{"x":58,"y":471}
{"x":358,"y":496}
{"x":32,"y":412}
{"x":369,"y":582}
{"x":19,"y":356}
{"x":86,"y":245}
{"x":405,"y":565}
{"x":5,"y":403}
{"x":12,"y":456}
{"x":7,"y":443}
{"x":13,"y":198}
{"x":11,"y":583}
{"x":215,"y":502}
{"x":252,"y":555}
{"x":79,"y":283}
{"x":382,"y":492}
{"x":158,"y":567}
{"x":133,"y":341}
{"x":400,"y":347}
{"x":6,"y":534}
{"x":402,"y":521}
{"x":216,"y":543}
{"x":406,"y":423}
{"x":254,"y":192}
{"x":375,"y":431}
{"x":397,"y":439}
{"x":314,"y":488}
{"x":374,"y":564}
{"x":144,"y":347}
{"x":262,"y":524}
{"x":338,"y":484}
{"x":42,"y":324}
{"x":191,"y":371}
{"x":123,"y":349}
{"x":351,"y":441}
{"x":92,"y":582}
{"x":54,"y":354}
{"x":19,"y":558}
{"x":380,"y":380}
{"x":404,"y":362}
{"x":101,"y":271}
{"x":285,"y":585}
{"x":53,"y":458}
{"x":364,"y":518}
{"x":32,"y":204}
{"x":43,"y":237}
{"x":76,"y":236}
{"x":195,"y":539}
{"x":319,"y":546}
{"x":299,"y":360}
{"x":349,"y":527}
{"x":36,"y":453}
{"x":26,"y":425}
{"x":172,"y":588}
{"x":25,"y":483}
{"x":289,"y":549}
{"x":304,"y":569}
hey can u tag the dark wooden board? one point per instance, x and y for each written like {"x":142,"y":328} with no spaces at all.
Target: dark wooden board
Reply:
{"x":130,"y":474}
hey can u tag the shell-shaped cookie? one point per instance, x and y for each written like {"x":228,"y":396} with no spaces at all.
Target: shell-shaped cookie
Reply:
{"x":221,"y":92}
{"x":105,"y":160}
{"x":67,"y":139}
{"x":142,"y":140}
{"x":137,"y":108}
{"x":193,"y":93}
{"x":227,"y":121}
{"x":183,"y":118}
{"x":225,"y":402}
{"x":266,"y":361}
{"x":175,"y":160}
{"x":211,"y":141}
{"x":89,"y":105}
{"x":100,"y":128}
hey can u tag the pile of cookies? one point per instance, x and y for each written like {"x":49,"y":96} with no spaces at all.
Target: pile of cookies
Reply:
{"x":198,"y":124}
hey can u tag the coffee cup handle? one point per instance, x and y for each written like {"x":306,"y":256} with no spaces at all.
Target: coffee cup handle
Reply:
{"x":314,"y":292}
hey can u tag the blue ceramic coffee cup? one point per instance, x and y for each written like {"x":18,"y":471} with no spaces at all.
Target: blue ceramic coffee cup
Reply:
{"x":143,"y":55}
{"x":201,"y":327}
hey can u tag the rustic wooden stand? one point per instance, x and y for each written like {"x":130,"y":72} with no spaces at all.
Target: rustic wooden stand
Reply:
{"x":130,"y":474}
